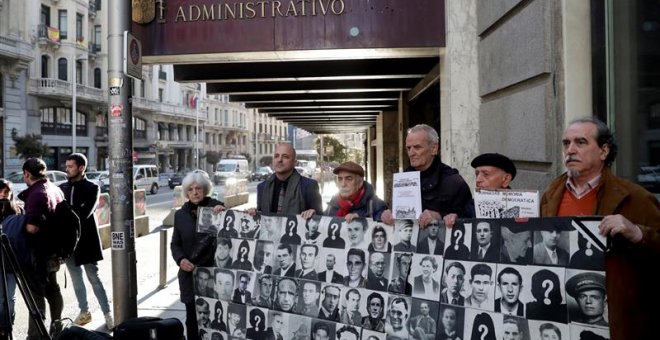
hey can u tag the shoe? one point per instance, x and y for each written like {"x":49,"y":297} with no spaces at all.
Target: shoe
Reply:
{"x":83,"y":318}
{"x":109,"y":323}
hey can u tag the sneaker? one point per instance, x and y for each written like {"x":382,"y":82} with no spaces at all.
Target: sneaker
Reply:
{"x":109,"y":323}
{"x":83,"y":318}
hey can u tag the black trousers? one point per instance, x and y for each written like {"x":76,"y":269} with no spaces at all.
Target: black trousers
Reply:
{"x":191,"y":322}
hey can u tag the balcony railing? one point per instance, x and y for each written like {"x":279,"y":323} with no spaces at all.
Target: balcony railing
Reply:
{"x":14,"y":47}
{"x":92,"y":9}
{"x":165,"y":108}
{"x":94,"y":50}
{"x":48,"y":36}
{"x":62,"y":90}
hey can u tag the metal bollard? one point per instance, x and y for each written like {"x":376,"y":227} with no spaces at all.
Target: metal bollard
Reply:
{"x":163,"y":259}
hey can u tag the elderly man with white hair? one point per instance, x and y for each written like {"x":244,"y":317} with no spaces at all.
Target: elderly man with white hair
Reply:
{"x":356,"y":197}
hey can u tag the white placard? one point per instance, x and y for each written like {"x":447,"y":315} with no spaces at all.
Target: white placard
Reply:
{"x":506,"y":203}
{"x":406,"y":195}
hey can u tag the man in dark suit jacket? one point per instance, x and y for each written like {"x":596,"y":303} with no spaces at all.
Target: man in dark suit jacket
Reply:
{"x":548,"y":251}
{"x":308,"y":253}
{"x":241,"y":294}
{"x":509,"y":282}
{"x":432,"y":239}
{"x":375,"y":278}
{"x":274,"y":332}
{"x":286,"y":260}
{"x":330,"y":303}
{"x":454,"y":278}
{"x":334,"y":277}
{"x":485,"y":243}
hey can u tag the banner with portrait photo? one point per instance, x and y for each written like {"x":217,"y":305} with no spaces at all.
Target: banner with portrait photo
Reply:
{"x":284,"y":277}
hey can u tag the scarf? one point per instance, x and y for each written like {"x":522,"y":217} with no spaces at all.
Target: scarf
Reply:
{"x":345,"y":205}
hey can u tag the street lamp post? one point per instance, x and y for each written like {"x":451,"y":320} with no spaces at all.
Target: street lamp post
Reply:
{"x":74,"y":89}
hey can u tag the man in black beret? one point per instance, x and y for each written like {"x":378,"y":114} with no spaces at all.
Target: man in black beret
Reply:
{"x":588,"y":290}
{"x":493,"y":171}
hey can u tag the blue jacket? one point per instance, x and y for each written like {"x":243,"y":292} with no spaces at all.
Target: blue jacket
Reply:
{"x":369,"y":206}
{"x":14,"y":227}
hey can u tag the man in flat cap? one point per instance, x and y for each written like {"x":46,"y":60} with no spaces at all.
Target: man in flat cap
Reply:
{"x":493,"y":171}
{"x":356,"y":197}
{"x":588,"y":290}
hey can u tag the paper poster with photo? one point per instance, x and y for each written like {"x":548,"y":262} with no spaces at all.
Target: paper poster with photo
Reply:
{"x":205,"y":223}
{"x":270,"y":227}
{"x":458,"y":241}
{"x":405,"y":235}
{"x":542,"y":330}
{"x":481,"y":324}
{"x":425,"y":275}
{"x":336,"y":234}
{"x":331,"y":265}
{"x":373,"y":308}
{"x":257,"y":320}
{"x":316,"y":229}
{"x":406,"y":195}
{"x":423,"y":319}
{"x":381,"y":236}
{"x":378,"y":275}
{"x":242,"y":254}
{"x":506,"y":203}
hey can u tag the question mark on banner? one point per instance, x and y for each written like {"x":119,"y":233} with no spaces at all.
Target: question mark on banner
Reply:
{"x":458,"y":234}
{"x":230,"y":221}
{"x":589,"y":252}
{"x":334,"y":228}
{"x":483,"y":330}
{"x":292,"y":224}
{"x":243,"y":253}
{"x":548,"y":289}
{"x":257,"y":319}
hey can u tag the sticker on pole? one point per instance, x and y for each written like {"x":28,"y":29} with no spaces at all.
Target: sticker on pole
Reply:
{"x":132,"y":56}
{"x":118,"y":240}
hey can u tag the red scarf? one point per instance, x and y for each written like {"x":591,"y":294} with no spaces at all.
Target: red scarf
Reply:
{"x":345,"y":205}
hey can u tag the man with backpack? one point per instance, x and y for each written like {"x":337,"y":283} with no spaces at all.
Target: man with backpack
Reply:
{"x":83,"y":196}
{"x":41,"y":201}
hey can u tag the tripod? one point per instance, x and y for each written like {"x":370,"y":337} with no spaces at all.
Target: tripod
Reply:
{"x":7,"y":256}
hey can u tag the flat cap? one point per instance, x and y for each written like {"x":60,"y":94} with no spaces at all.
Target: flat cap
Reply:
{"x":496,"y":160}
{"x":585,"y":281}
{"x":351,"y":167}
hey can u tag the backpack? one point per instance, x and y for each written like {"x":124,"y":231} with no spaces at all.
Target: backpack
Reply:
{"x":63,"y":231}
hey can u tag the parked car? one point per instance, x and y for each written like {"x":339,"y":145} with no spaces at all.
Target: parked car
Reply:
{"x":231,"y":168}
{"x":18,"y":184}
{"x":145,"y":177}
{"x":102,"y":178}
{"x":261,"y":174}
{"x":649,"y":177}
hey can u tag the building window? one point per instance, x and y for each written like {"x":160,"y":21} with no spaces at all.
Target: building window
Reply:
{"x":44,"y":66}
{"x":160,"y":95}
{"x":57,"y":121}
{"x":101,"y":124}
{"x":45,"y":15}
{"x":62,"y":69}
{"x":79,"y":28}
{"x":79,"y":72}
{"x":139,"y":128}
{"x":97,"y":78}
{"x":2,"y":91}
{"x":97,"y":38}
{"x":62,"y":24}
{"x":98,"y":5}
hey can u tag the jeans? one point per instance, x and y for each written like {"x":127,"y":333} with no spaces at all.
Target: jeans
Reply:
{"x":7,"y":320}
{"x":92,"y":271}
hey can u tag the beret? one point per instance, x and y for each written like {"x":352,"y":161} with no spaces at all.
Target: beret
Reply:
{"x":585,"y":281}
{"x":496,"y":160}
{"x":351,"y":167}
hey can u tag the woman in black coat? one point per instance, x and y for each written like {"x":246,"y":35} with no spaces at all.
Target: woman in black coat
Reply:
{"x":189,"y":247}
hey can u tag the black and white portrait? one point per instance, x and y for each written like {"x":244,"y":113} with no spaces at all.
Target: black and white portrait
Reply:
{"x":205,"y":221}
{"x":323,"y":330}
{"x":203,"y":311}
{"x":586,"y":297}
{"x":380,"y":236}
{"x":334,"y":234}
{"x":223,"y":284}
{"x":223,"y":253}
{"x":285,"y":260}
{"x":308,"y":255}
{"x":482,"y":325}
{"x":547,"y":287}
{"x":219,"y":315}
{"x":347,"y":332}
{"x":515,"y":328}
{"x":286,"y":295}
{"x":229,"y":224}
{"x":264,"y":287}
{"x":378,"y":275}
{"x":457,"y":241}
{"x":512,"y":290}
{"x":264,"y":255}
{"x":585,"y":253}
{"x":257,"y":322}
{"x":453,"y":278}
{"x":278,"y":323}
{"x":426,"y":273}
{"x":330,"y":266}
{"x":315,"y":230}
{"x":300,"y":329}
{"x":551,"y":247}
{"x":398,"y":315}
{"x":330,"y":296}
{"x":432,"y":239}
{"x":203,"y":281}
{"x":242,"y":253}
{"x":309,"y":293}
{"x":373,"y":335}
{"x":249,"y":226}
{"x":236,"y":320}
{"x":516,"y":244}
{"x":486,"y":241}
{"x":349,"y":306}
{"x":480,"y":288}
{"x":244,"y":287}
{"x":356,"y":267}
{"x":271,"y":227}
{"x":373,"y":309}
{"x":401,"y":263}
{"x":450,"y":323}
{"x":356,"y":233}
{"x":405,"y":235}
{"x":546,"y":330}
{"x":423,"y":319}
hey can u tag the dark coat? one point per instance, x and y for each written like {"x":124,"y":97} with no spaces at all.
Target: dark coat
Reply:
{"x":302,"y":194}
{"x":423,"y":247}
{"x":185,"y":244}
{"x":336,"y":277}
{"x":444,"y":190}
{"x":631,"y":285}
{"x":370,"y":206}
{"x":83,"y":196}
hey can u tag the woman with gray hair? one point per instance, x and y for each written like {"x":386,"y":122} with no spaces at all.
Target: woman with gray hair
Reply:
{"x":187,"y":243}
